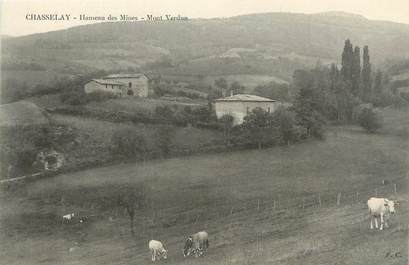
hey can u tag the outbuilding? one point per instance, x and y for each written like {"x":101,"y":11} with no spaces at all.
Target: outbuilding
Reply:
{"x":238,"y":106}
{"x":121,"y":85}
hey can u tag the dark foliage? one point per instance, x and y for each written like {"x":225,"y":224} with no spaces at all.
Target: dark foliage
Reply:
{"x":369,"y":120}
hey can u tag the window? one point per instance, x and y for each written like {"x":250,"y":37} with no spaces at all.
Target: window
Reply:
{"x":130,"y":84}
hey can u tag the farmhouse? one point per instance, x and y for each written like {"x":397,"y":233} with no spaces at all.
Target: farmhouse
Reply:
{"x":240,"y":105}
{"x":121,"y":85}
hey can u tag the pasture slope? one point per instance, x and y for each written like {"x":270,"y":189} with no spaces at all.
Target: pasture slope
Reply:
{"x":248,"y":201}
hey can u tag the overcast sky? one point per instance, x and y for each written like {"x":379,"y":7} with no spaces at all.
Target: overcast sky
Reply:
{"x":13,"y":12}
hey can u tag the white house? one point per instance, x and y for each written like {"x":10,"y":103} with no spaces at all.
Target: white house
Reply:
{"x":240,"y":105}
{"x":121,"y":85}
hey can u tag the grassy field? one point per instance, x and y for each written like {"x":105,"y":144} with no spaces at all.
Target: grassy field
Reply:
{"x":231,"y":195}
{"x":31,"y":77}
{"x":246,"y":80}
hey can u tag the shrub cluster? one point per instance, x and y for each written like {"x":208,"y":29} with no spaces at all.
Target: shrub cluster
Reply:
{"x":19,"y":146}
{"x":79,"y":97}
{"x":369,"y":120}
{"x":261,"y":128}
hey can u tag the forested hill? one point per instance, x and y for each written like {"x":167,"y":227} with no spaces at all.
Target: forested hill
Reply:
{"x":270,"y":43}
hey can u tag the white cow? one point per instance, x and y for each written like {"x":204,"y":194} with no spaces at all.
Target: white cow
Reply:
{"x":68,"y":217}
{"x":157,"y":250}
{"x":380,"y":207}
{"x":196,"y":244}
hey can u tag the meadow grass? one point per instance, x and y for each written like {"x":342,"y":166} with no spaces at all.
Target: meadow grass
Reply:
{"x":218,"y":193}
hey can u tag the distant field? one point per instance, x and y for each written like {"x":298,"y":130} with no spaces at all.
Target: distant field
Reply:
{"x":221,"y":193}
{"x":32,"y":78}
{"x":249,"y":81}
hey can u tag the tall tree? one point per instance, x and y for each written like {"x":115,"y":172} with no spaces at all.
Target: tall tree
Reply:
{"x":286,"y":123}
{"x":356,"y":71}
{"x":309,"y":111}
{"x":347,"y":61}
{"x":258,"y":125}
{"x":366,"y":75}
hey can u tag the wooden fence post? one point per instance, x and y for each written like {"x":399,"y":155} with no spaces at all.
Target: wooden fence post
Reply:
{"x":339,"y":199}
{"x":395,"y":188}
{"x":319,"y":200}
{"x":258,"y":205}
{"x":357,"y":196}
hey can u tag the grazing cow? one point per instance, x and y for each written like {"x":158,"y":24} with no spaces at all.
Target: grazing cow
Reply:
{"x":380,"y":207}
{"x":68,"y":217}
{"x":196,"y":244}
{"x":157,"y":250}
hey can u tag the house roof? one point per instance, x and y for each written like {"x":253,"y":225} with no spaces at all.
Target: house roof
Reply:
{"x":21,"y":113}
{"x":107,"y":82}
{"x":125,"y":76}
{"x":245,"y":98}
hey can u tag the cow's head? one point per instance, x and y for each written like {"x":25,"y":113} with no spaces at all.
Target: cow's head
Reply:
{"x":390,"y":205}
{"x":188,"y":246}
{"x":164,"y":253}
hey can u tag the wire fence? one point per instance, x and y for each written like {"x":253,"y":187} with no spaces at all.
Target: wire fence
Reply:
{"x":274,"y":205}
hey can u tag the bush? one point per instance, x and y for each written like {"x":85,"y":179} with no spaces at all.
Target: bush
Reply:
{"x":369,"y":120}
{"x":99,"y":96}
{"x":20,"y":146}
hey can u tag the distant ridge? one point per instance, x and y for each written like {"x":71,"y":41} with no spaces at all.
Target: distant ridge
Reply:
{"x":5,"y":36}
{"x":340,"y":14}
{"x":269,"y":44}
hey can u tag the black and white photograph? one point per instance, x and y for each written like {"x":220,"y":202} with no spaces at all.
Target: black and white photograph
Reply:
{"x":247,"y":132}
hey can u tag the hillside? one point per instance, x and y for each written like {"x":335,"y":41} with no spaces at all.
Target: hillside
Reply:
{"x":259,"y":207}
{"x":272,"y":44}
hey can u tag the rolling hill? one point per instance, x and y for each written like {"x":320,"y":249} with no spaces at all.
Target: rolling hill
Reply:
{"x":273,"y":44}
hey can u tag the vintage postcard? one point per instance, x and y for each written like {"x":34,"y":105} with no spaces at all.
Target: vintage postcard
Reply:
{"x":204,"y":132}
